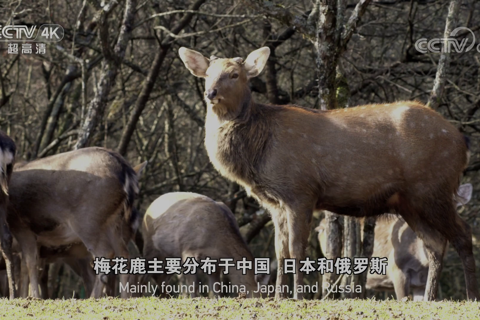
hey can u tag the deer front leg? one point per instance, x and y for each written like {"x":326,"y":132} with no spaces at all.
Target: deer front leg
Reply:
{"x":28,"y":243}
{"x":282,"y":252}
{"x":299,"y":230}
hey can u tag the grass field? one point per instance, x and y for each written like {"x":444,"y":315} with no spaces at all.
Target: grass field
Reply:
{"x":234,"y":308}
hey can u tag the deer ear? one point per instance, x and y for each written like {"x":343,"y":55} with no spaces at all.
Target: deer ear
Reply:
{"x":256,"y":61}
{"x":195,"y":62}
{"x":464,"y":194}
{"x":139,"y":168}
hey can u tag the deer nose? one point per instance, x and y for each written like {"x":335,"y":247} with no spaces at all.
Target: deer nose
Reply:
{"x":211,"y":94}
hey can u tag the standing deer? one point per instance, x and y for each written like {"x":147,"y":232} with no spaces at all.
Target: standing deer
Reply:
{"x":362,"y":161}
{"x":189,"y":225}
{"x":76,"y":256}
{"x":407,"y":257}
{"x":78,"y":197}
{"x":7,"y":161}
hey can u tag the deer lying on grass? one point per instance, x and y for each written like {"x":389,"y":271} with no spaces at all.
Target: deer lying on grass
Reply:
{"x":83,"y":196}
{"x":407,"y":258}
{"x":189,"y":225}
{"x":362,"y":161}
{"x":7,"y":161}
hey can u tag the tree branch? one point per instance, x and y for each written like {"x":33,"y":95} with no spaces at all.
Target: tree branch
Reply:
{"x":439,"y":84}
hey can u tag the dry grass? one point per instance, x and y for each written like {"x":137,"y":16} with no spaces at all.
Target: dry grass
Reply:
{"x":228,"y":308}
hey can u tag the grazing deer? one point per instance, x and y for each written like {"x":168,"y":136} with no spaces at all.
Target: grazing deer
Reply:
{"x":362,"y":161}
{"x":189,"y":225}
{"x":76,"y":256}
{"x":7,"y":161}
{"x":407,"y":257}
{"x":78,"y":197}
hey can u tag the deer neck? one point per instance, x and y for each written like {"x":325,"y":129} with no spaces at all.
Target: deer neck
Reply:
{"x":219,"y":128}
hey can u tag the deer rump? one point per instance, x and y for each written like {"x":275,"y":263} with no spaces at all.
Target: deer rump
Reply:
{"x":183,"y":225}
{"x":79,"y":197}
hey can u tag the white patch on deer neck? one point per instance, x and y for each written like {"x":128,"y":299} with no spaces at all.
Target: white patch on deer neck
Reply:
{"x":213,"y":124}
{"x":212,"y":127}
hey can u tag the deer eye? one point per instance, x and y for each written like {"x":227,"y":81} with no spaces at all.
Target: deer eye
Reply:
{"x":234,"y":75}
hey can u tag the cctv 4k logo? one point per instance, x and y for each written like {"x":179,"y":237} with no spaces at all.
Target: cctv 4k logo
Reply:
{"x":20,"y":33}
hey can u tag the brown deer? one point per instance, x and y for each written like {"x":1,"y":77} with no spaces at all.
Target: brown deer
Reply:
{"x":78,"y":197}
{"x":76,"y":256}
{"x":7,"y":161}
{"x":361,"y":161}
{"x":189,"y":225}
{"x":407,"y":257}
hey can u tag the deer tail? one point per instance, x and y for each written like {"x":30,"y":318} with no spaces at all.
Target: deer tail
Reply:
{"x":131,"y":190}
{"x":129,"y":179}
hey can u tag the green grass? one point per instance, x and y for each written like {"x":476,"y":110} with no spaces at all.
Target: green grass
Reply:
{"x":234,"y":308}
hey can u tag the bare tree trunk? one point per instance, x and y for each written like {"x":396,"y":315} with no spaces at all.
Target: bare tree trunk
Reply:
{"x":69,"y":77}
{"x":54,"y":116}
{"x":331,"y":38}
{"x":256,"y":226}
{"x":351,"y":249}
{"x":438,"y":86}
{"x":367,"y":246}
{"x":110,"y":66}
{"x":325,"y":12}
{"x":171,"y":148}
{"x":334,"y":246}
{"x":151,"y":78}
{"x":233,"y":189}
{"x":271,"y":72}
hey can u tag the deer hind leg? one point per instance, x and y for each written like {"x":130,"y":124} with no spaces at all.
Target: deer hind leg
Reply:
{"x":121,"y":250}
{"x":435,"y":244}
{"x":429,"y":223}
{"x":102,"y":278}
{"x":452,"y":228}
{"x":460,"y":236}
{"x":120,"y":246}
{"x":281,"y":250}
{"x":98,"y":244}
